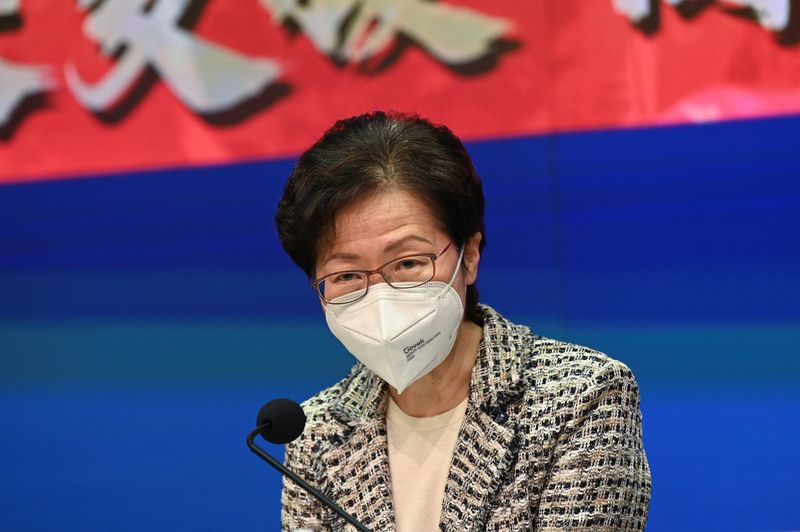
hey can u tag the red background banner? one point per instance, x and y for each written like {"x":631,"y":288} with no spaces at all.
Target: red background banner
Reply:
{"x":566,"y":65}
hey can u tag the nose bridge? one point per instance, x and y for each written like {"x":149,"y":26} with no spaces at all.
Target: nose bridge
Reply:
{"x":375,"y":277}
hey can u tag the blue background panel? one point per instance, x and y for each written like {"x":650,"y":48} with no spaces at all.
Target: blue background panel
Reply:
{"x":145,"y":317}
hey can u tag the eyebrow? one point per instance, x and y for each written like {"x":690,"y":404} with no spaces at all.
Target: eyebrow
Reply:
{"x":391,"y":247}
{"x":398,"y":243}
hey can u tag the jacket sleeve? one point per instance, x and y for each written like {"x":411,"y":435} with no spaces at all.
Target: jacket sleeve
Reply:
{"x":599,"y":478}
{"x":299,"y":510}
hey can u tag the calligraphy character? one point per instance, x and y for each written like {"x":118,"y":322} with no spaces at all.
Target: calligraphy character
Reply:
{"x":206,"y":77}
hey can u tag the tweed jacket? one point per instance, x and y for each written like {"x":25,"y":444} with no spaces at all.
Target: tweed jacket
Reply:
{"x":551,"y":440}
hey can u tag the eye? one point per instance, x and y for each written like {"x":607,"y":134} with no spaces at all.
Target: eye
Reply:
{"x":344,"y":277}
{"x":408,"y":264}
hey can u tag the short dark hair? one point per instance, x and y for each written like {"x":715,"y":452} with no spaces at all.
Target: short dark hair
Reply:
{"x":377,"y":151}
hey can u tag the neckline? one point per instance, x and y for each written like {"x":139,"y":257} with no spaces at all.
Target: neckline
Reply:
{"x":395,"y":414}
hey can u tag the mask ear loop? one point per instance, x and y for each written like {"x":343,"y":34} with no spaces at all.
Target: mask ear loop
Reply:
{"x":453,"y":278}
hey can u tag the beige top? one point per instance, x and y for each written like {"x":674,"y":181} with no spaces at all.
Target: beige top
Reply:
{"x":420,"y":451}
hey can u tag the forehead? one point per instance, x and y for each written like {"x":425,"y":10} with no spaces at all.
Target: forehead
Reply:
{"x":366,"y":226}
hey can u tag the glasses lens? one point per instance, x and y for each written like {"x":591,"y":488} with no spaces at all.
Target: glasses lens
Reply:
{"x":416,"y":270}
{"x":348,"y":286}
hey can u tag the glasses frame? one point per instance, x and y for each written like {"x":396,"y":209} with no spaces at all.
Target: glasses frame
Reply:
{"x":369,"y":273}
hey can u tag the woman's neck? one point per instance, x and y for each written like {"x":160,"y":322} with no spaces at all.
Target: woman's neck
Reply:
{"x":448,"y":383}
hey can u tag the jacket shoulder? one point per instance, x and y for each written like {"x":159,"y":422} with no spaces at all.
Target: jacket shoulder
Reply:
{"x":554,"y":365}
{"x":324,"y":410}
{"x":319,"y":407}
{"x":568,"y":359}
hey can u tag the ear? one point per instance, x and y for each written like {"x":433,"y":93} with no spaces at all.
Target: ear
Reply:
{"x":472,"y":256}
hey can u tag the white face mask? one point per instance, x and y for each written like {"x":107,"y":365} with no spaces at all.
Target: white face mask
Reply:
{"x":401,"y":335}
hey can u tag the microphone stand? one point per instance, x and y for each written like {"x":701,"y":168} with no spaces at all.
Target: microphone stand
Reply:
{"x":299,"y":481}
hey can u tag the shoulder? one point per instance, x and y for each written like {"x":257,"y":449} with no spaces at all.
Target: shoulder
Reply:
{"x":568,"y":384}
{"x":324,"y":412}
{"x":538,"y":362}
{"x":320,"y":408}
{"x":546,"y":371}
{"x":557,"y":363}
{"x":320,"y":421}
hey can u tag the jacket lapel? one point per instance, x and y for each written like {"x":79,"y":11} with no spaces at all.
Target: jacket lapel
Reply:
{"x":487,"y":444}
{"x":356,"y":465}
{"x":484,"y":453}
{"x":358,"y":475}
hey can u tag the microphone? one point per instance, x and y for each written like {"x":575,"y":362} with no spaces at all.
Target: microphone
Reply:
{"x":281,"y":421}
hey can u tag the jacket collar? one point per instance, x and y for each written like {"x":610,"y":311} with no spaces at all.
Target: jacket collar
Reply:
{"x":495,"y":378}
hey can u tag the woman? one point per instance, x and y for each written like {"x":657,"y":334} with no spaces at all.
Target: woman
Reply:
{"x":453,"y":418}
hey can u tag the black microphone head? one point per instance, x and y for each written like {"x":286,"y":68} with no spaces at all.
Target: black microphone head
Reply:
{"x":283,"y":420}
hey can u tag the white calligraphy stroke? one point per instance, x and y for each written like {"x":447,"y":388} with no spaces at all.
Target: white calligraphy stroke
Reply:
{"x":635,"y":10}
{"x":9,"y":7}
{"x":208,"y":78}
{"x":17,"y":82}
{"x":772,"y":14}
{"x":453,"y":35}
{"x":320,"y":20}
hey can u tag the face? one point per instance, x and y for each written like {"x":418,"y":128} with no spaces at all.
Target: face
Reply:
{"x":388,"y":225}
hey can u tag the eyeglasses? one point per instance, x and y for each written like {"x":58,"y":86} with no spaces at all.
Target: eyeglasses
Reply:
{"x":409,"y":271}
